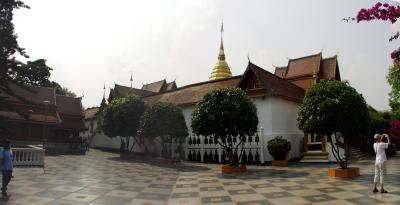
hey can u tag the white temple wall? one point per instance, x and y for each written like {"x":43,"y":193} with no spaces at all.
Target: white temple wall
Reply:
{"x":278,"y":118}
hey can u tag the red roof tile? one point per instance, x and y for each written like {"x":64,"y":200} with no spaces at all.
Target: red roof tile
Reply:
{"x":155,"y":87}
{"x":328,"y":68}
{"x":91,"y":113}
{"x":69,"y":105}
{"x":280,"y":71}
{"x":303,"y":66}
{"x":275,"y":85}
{"x":171,"y":86}
{"x":120,"y":91}
{"x":191,"y":94}
{"x":32,"y":114}
{"x":32,"y":94}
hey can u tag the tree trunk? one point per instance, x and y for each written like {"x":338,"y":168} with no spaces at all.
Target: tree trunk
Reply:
{"x":336,"y":151}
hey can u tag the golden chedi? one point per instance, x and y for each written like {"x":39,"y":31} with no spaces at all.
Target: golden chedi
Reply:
{"x":221,"y":69}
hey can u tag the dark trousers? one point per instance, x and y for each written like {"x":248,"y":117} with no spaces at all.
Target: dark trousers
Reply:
{"x":6,"y":179}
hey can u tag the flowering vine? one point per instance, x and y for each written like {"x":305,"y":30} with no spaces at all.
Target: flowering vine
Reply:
{"x":395,"y":55}
{"x":380,"y":11}
{"x":395,"y":128}
{"x":384,"y":12}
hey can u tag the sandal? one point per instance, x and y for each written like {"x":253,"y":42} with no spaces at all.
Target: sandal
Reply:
{"x":384,"y":191}
{"x":375,"y":190}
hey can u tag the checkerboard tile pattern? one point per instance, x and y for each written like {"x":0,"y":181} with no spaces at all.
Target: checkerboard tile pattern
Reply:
{"x":100,"y":178}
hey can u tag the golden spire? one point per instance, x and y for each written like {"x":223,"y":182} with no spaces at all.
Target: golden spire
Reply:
{"x":104,"y":90}
{"x":131,"y":79}
{"x":221,"y":68}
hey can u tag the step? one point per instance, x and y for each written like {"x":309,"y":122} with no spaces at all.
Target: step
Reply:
{"x":315,"y":153}
{"x":314,"y":160}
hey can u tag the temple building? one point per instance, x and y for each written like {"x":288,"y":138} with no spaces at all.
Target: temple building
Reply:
{"x":146,"y":90}
{"x":305,"y":72}
{"x":276,"y":95}
{"x":37,"y":115}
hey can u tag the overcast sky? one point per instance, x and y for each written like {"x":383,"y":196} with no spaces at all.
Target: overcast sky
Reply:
{"x":91,"y":42}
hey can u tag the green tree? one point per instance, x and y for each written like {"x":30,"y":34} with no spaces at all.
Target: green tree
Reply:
{"x":379,"y":122}
{"x":332,"y":107}
{"x":33,"y":73}
{"x":164,"y":120}
{"x":8,"y":39}
{"x":8,"y":48}
{"x":38,"y":73}
{"x":62,"y":90}
{"x":122,"y":118}
{"x":393,"y":79}
{"x":226,"y":113}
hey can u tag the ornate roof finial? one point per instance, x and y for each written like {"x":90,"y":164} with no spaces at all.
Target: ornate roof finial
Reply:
{"x":315,"y":71}
{"x":221,"y":47}
{"x":131,"y":79}
{"x":104,"y":90}
{"x":221,"y":69}
{"x":248,"y":57}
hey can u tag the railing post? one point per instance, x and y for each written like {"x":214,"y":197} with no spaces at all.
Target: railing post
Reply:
{"x":262,"y":145}
{"x":202,"y":148}
{"x":187,"y":148}
{"x":219,"y":152}
{"x":28,"y":156}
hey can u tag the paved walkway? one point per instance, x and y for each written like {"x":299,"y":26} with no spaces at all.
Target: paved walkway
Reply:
{"x":101,"y":178}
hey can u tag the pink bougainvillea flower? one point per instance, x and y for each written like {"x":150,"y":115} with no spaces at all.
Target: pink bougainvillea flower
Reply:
{"x":395,"y":128}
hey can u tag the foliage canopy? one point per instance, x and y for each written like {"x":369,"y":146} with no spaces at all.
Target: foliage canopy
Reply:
{"x":122,"y":118}
{"x":330,"y":107}
{"x":163,"y":119}
{"x":226,"y":113}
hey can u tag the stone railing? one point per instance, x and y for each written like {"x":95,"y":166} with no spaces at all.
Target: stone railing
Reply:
{"x":207,"y":149}
{"x":32,"y":156}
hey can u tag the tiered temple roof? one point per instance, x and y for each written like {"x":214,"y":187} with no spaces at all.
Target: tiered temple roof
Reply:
{"x":255,"y":82}
{"x":309,"y":70}
{"x":40,"y":105}
{"x":91,"y":113}
{"x":71,"y":113}
{"x":146,"y":90}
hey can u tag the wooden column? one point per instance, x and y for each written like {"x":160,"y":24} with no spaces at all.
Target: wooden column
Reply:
{"x":305,"y":142}
{"x":323,"y":143}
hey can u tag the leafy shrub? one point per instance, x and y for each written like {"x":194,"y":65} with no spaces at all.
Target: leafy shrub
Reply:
{"x":226,"y":114}
{"x":279,"y":148}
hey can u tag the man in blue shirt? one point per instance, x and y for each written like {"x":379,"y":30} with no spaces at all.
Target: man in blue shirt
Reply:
{"x":6,"y":158}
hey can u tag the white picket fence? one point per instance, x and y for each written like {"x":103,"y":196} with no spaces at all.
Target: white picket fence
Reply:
{"x":32,"y":156}
{"x":206,"y":149}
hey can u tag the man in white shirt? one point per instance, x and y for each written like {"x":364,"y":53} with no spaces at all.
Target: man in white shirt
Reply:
{"x":380,"y":147}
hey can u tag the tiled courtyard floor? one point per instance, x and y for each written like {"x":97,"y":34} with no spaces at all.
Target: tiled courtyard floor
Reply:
{"x":100,"y":178}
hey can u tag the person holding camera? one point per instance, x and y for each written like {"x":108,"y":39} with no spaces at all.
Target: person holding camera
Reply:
{"x":380,"y":147}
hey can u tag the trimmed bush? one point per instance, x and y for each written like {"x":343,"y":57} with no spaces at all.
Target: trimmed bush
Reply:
{"x":279,"y":148}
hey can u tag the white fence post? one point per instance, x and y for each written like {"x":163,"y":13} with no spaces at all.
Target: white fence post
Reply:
{"x":33,"y":156}
{"x":262,"y":145}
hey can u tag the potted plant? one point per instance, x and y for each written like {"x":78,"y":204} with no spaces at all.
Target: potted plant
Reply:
{"x":335,"y":109}
{"x":228,"y":115}
{"x":279,"y":148}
